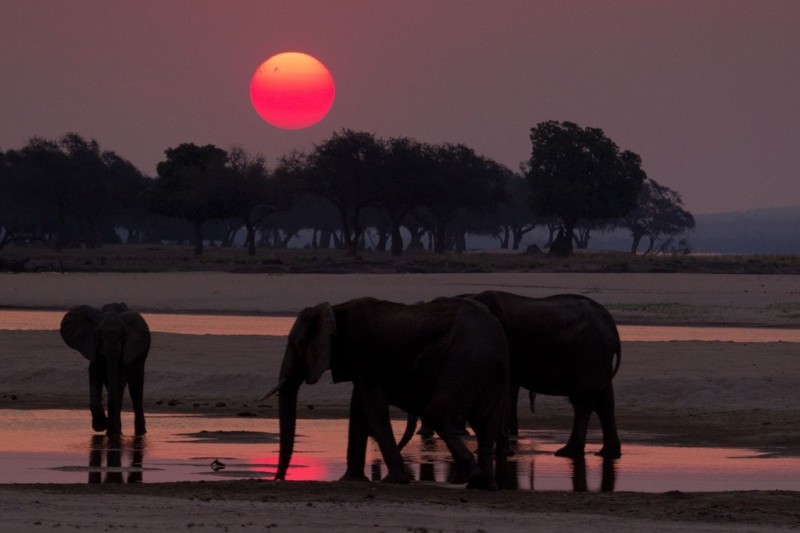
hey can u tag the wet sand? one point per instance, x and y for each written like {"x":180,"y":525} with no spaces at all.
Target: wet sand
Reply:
{"x":698,"y":393}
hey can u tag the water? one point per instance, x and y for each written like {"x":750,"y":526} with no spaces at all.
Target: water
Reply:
{"x":272,"y":325}
{"x":58,"y":446}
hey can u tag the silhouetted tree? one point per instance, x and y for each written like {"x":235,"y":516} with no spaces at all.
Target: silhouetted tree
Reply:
{"x":404,"y":175}
{"x":512,"y":219}
{"x":194,"y":184}
{"x":658,"y":215}
{"x":255,"y":196}
{"x":344,"y":169}
{"x":580,"y":174}
{"x":12,"y":199}
{"x":126,"y":186}
{"x":67,"y":192}
{"x":460,"y":180}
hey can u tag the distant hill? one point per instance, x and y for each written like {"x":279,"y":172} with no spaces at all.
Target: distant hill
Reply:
{"x":757,"y":231}
{"x":765,"y":231}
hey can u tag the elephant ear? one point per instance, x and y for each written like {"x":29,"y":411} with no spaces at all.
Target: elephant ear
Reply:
{"x":137,"y":337}
{"x":78,"y":330}
{"x":320,"y":342}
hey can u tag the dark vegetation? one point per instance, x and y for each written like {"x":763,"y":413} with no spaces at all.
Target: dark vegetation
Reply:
{"x":181,"y":258}
{"x":354,"y":192}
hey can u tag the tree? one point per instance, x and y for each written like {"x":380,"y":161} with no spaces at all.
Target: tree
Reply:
{"x":580,"y":174}
{"x":460,"y":181}
{"x":126,"y":186}
{"x":344,"y":170}
{"x":404,"y":174}
{"x":254,"y":196}
{"x":512,"y":219}
{"x":65,"y":192}
{"x":194,"y":184}
{"x":11,"y":199}
{"x":658,"y":215}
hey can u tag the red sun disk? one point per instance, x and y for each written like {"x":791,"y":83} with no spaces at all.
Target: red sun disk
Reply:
{"x":292,"y":90}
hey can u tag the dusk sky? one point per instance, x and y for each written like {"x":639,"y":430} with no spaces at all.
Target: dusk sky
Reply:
{"x":706,"y":92}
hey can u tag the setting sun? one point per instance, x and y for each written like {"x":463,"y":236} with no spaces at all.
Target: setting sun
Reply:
{"x":292,"y":90}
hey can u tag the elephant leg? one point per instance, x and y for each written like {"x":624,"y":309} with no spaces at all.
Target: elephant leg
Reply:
{"x":96,"y":379}
{"x":612,"y":448}
{"x":357,"y":437}
{"x":512,"y":422}
{"x":464,"y":468}
{"x":577,"y":440}
{"x":439,"y":416}
{"x":487,"y":434}
{"x":136,"y":390}
{"x":115,"y":408}
{"x":375,"y":409}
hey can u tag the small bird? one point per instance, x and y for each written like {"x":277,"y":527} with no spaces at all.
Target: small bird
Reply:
{"x":217,"y":465}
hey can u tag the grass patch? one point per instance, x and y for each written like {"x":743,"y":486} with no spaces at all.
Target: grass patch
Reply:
{"x":668,"y":308}
{"x":790,"y":310}
{"x":177,"y":258}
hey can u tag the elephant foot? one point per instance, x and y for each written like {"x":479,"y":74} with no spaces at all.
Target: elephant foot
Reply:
{"x":483,"y":484}
{"x":460,"y":474}
{"x":568,"y":451}
{"x":503,"y":447}
{"x":610,"y":452}
{"x":140,"y":432}
{"x":398,"y":477}
{"x":99,"y":424}
{"x":353,"y":477}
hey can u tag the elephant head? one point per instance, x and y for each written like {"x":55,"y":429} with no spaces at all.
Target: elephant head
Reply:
{"x":116,"y":342}
{"x":307,"y":357}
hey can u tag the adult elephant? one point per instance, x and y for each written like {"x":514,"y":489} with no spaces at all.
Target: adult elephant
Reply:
{"x":563,"y":345}
{"x":446,"y":361}
{"x":116,"y":342}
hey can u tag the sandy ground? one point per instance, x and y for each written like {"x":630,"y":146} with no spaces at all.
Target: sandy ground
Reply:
{"x":698,"y":393}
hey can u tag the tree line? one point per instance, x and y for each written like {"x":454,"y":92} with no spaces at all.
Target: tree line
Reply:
{"x":351,"y":191}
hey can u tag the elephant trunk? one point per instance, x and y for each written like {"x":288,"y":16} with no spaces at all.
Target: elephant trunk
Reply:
{"x":287,"y":409}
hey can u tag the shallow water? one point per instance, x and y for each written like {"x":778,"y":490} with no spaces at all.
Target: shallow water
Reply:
{"x":58,"y":446}
{"x":280,"y":325}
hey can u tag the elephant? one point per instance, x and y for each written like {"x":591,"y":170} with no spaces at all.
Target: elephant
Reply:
{"x":562,"y":345}
{"x":116,"y":342}
{"x":445,"y":361}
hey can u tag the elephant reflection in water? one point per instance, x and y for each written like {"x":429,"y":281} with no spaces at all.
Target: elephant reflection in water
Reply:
{"x":511,"y":472}
{"x":508,"y":474}
{"x":429,"y":458}
{"x":113,"y":448}
{"x":607,"y":480}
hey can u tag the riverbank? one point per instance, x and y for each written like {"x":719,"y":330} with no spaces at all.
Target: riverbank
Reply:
{"x":698,"y":393}
{"x":180,"y":258}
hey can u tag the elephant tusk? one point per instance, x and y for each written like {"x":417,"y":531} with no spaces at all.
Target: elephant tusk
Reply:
{"x":278,"y":387}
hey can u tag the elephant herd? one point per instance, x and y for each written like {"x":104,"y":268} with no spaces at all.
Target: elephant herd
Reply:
{"x":446,"y":361}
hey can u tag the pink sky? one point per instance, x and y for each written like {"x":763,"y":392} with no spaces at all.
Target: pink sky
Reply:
{"x":706,"y":91}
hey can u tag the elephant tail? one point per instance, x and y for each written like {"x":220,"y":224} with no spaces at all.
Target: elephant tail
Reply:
{"x":411,"y":425}
{"x":617,"y":362}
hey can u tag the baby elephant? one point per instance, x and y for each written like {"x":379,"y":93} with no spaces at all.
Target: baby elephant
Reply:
{"x":116,"y":341}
